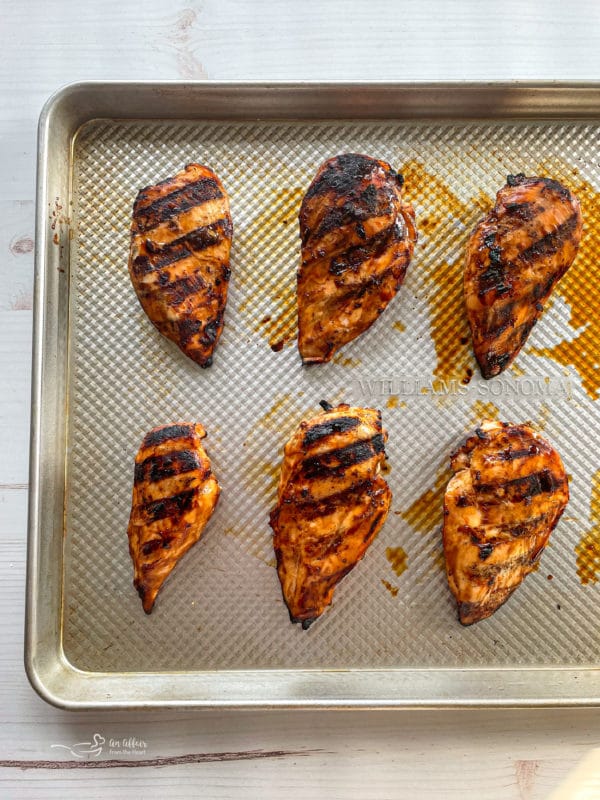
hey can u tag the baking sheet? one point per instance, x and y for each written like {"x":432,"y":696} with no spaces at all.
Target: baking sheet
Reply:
{"x":222,"y":606}
{"x":220,"y":634}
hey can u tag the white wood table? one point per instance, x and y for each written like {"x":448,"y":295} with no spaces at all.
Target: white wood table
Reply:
{"x":482,"y":754}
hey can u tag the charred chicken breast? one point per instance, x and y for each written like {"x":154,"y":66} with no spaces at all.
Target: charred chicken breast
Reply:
{"x":179,"y":259}
{"x":508,"y":491}
{"x":174,"y":495}
{"x":357,"y":239}
{"x":515,"y":257}
{"x":331,"y":504}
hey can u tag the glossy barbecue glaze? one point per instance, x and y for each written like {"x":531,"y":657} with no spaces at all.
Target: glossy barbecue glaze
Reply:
{"x":332,"y":502}
{"x":357,"y":240}
{"x":179,"y":261}
{"x":174,"y":495}
{"x":508,"y":491}
{"x":514,"y":259}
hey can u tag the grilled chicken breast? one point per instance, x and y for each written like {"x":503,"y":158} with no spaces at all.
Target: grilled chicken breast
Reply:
{"x":508,"y":491}
{"x":515,"y":257}
{"x":174,"y":495}
{"x":357,"y":239}
{"x":179,"y":259}
{"x":332,"y":502}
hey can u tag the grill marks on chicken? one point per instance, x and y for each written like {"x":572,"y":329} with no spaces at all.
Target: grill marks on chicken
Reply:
{"x":507,"y":494}
{"x":357,"y":240}
{"x":331,"y":504}
{"x":179,"y":260}
{"x":515,"y":257}
{"x":174,"y":495}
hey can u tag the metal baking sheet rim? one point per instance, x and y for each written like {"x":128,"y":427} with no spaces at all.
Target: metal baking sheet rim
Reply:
{"x":50,"y":673}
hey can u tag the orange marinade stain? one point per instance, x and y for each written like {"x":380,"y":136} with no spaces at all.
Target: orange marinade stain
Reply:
{"x":481,"y":411}
{"x":275,"y":319}
{"x":253,"y":549}
{"x":543,"y":417}
{"x":426,"y":512}
{"x":392,"y":401}
{"x":270,"y":473}
{"x":443,"y":279}
{"x":393,"y":590}
{"x":439,"y":559}
{"x":588,"y":549}
{"x":578,"y":286}
{"x":398,"y":559}
{"x":272,"y":420}
{"x":344,"y":361}
{"x":260,"y":474}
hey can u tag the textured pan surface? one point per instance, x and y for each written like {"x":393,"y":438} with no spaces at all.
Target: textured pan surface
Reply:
{"x":222,"y":606}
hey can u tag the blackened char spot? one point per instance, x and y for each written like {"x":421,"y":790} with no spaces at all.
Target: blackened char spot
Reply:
{"x":485,"y":551}
{"x":542,"y":290}
{"x":521,"y":332}
{"x":162,"y":255}
{"x":516,"y":180}
{"x":324,"y":429}
{"x":194,"y":194}
{"x":141,"y":589}
{"x":351,"y":212}
{"x":526,"y":528}
{"x":172,"y":507}
{"x":369,"y":198}
{"x":554,"y":186}
{"x":210,"y":332}
{"x":522,"y":211}
{"x":341,"y":174}
{"x":357,"y":255}
{"x":522,"y":489}
{"x":177,"y":291}
{"x":158,"y":467}
{"x":468,"y":613}
{"x":495,"y":254}
{"x":502,"y":318}
{"x":149,"y":547}
{"x":363,"y":188}
{"x":374,"y":526}
{"x":369,"y":282}
{"x":512,"y":455}
{"x":336,"y":461}
{"x":462,"y":501}
{"x":493,"y":363}
{"x":187,"y":329}
{"x":312,"y":509}
{"x":161,"y":435}
{"x":493,"y":278}
{"x":551,"y":242}
{"x":490,"y":572}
